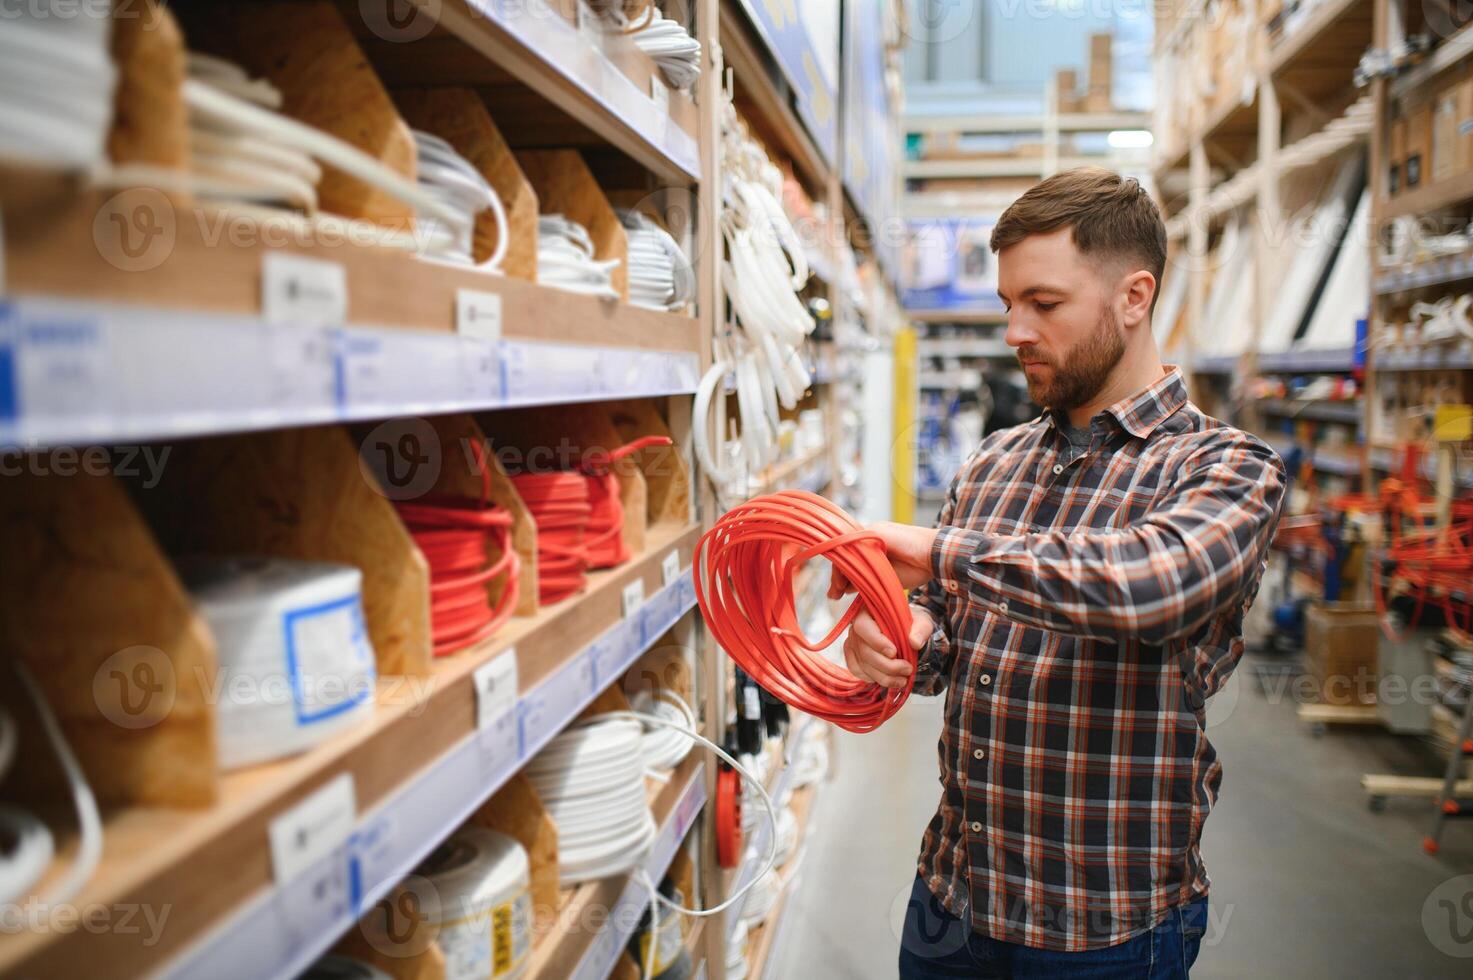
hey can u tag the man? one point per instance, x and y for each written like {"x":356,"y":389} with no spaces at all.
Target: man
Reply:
{"x":1080,"y":599}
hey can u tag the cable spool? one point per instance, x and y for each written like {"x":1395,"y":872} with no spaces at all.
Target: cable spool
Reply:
{"x":787,"y":835}
{"x":746,"y":566}
{"x":335,"y":966}
{"x":450,"y":178}
{"x":663,"y":748}
{"x":456,"y":537}
{"x":476,"y":890}
{"x":565,"y":259}
{"x":560,"y":506}
{"x":661,"y":952}
{"x":660,"y":276}
{"x":812,"y":764}
{"x":736,"y":953}
{"x":591,"y":780}
{"x":762,"y":898}
{"x":728,"y":818}
{"x":294,"y":654}
{"x":604,"y":542}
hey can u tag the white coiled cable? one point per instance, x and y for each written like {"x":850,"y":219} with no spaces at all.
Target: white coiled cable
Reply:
{"x":591,"y":780}
{"x":565,"y":258}
{"x":606,"y":764}
{"x":452,"y":179}
{"x":34,"y":843}
{"x":660,"y":276}
{"x":667,"y":42}
{"x":57,"y":83}
{"x":663,"y":748}
{"x":736,"y":953}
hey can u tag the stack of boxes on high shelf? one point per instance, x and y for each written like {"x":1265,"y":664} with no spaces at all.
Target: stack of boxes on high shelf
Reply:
{"x":1097,"y":95}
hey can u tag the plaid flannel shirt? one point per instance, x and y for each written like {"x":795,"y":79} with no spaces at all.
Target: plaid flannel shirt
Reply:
{"x":1087,"y":605}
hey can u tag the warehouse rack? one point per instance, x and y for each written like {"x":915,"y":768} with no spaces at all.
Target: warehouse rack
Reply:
{"x":1254,"y":96}
{"x":101,"y":344}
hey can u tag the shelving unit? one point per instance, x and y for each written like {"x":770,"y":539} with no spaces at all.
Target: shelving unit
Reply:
{"x":254,"y":340}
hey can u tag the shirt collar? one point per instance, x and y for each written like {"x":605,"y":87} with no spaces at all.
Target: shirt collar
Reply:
{"x":1142,"y":412}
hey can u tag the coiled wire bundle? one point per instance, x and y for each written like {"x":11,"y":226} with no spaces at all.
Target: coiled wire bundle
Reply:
{"x":745,"y":571}
{"x":591,"y":780}
{"x":660,"y":276}
{"x":451,"y":179}
{"x":565,"y":259}
{"x":457,"y":537}
{"x":663,"y":748}
{"x":57,"y":82}
{"x":560,"y":506}
{"x":667,"y":42}
{"x":245,"y":154}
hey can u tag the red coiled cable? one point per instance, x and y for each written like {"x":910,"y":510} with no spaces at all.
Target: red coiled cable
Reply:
{"x":454,"y":536}
{"x":605,"y":533}
{"x":746,"y":568}
{"x":560,"y":507}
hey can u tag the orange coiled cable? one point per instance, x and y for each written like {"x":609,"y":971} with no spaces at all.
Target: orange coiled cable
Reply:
{"x":560,"y":507}
{"x":454,"y":536}
{"x":605,"y":532}
{"x":746,"y":565}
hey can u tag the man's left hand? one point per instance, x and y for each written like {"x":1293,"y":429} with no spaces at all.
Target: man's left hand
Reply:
{"x":909,"y":549}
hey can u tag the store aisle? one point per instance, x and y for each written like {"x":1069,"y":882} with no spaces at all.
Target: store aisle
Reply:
{"x":1306,"y":881}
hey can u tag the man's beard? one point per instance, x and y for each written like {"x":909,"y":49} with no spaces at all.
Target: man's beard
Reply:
{"x":1084,"y":371}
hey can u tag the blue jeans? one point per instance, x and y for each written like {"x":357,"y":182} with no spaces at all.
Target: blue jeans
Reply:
{"x":937,"y":944}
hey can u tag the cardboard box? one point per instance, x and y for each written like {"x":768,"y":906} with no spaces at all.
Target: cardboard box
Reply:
{"x":1341,"y":651}
{"x":1445,"y":134}
{"x":1415,"y":171}
{"x":1066,"y":81}
{"x":1464,"y":104}
{"x":1101,"y":66}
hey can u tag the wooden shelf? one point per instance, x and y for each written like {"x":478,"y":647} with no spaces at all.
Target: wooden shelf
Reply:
{"x":1319,"y":58}
{"x":599,"y":81}
{"x":201,"y":309}
{"x":786,"y":476}
{"x":1348,"y":411}
{"x":1448,"y":193}
{"x":212,"y":867}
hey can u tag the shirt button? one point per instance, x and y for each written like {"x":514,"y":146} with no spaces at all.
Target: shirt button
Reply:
{"x":1058,"y":469}
{"x":985,"y":679}
{"x":978,"y":754}
{"x":976,"y":827}
{"x":1002,"y":606}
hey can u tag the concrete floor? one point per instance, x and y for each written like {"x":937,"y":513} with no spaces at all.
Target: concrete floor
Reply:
{"x":1306,"y":881}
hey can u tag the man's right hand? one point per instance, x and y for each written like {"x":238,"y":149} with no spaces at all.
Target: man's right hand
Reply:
{"x":871,"y":657}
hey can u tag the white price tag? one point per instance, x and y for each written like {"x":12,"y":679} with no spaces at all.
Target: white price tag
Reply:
{"x":313,"y":828}
{"x":496,"y":689}
{"x":633,"y":597}
{"x":660,"y":93}
{"x":670,"y":568}
{"x":303,"y":291}
{"x":478,"y":314}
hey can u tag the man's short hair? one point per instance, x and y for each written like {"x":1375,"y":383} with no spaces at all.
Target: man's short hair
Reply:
{"x":1112,"y":218}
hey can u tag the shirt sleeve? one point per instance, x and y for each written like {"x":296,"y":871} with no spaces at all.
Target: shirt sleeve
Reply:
{"x":934,"y":660}
{"x":1163,"y":579}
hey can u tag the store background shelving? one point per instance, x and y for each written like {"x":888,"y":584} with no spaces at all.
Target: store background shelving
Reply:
{"x":101,"y":349}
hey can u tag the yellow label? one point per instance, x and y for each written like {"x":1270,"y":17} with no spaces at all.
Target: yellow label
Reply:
{"x":1453,"y":423}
